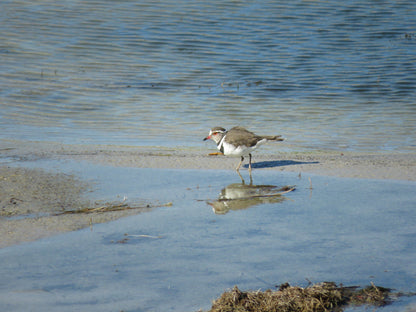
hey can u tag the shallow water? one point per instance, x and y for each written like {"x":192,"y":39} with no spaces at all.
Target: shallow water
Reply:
{"x":181,"y":257}
{"x":325,"y":75}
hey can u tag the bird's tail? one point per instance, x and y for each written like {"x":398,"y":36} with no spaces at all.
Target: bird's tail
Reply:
{"x":273,"y":137}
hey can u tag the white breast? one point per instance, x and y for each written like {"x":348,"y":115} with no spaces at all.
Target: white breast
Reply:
{"x":242,"y":150}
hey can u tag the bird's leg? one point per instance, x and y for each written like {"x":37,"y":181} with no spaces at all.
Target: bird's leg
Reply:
{"x":241,"y":177}
{"x":249,"y":169}
{"x":241,"y":161}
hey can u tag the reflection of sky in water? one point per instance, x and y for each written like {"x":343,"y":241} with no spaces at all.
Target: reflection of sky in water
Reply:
{"x":324,"y":75}
{"x":344,"y":230}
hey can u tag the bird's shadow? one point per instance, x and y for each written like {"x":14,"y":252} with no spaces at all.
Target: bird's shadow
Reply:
{"x":279,"y":163}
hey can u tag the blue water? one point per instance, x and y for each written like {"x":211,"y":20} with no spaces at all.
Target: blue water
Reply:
{"x":324,"y":74}
{"x":181,"y":257}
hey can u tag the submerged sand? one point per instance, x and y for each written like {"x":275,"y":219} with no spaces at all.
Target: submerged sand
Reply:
{"x":32,"y":200}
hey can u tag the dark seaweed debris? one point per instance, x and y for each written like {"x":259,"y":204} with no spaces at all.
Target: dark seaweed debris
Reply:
{"x":325,"y":296}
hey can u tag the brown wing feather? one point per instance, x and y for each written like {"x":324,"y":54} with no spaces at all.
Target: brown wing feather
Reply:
{"x":273,"y":137}
{"x":241,"y":136}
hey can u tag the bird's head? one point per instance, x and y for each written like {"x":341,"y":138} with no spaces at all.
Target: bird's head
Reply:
{"x":216,"y":134}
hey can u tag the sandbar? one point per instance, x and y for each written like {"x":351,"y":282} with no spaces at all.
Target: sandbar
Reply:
{"x":383,"y":165}
{"x":32,"y":198}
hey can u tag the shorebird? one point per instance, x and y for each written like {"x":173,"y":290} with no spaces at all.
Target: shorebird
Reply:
{"x":239,"y":142}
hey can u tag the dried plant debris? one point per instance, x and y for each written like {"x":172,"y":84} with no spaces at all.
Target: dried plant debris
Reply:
{"x":128,"y":237}
{"x":371,"y":295}
{"x":325,"y":296}
{"x":115,"y":207}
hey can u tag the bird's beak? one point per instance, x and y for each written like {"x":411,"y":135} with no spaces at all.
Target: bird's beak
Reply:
{"x":207,"y":138}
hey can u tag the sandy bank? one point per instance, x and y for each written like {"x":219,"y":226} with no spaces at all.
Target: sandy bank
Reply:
{"x":394,"y":166}
{"x":34,"y":204}
{"x":31,"y":200}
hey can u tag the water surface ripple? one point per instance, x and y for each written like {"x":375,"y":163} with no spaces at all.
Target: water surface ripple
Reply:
{"x":325,"y":74}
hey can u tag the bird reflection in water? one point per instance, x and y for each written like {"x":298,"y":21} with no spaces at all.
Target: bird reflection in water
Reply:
{"x":238,"y":196}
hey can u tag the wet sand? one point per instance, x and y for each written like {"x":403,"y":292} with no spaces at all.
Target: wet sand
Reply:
{"x":392,"y":166}
{"x":34,"y":204}
{"x":31,"y":199}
